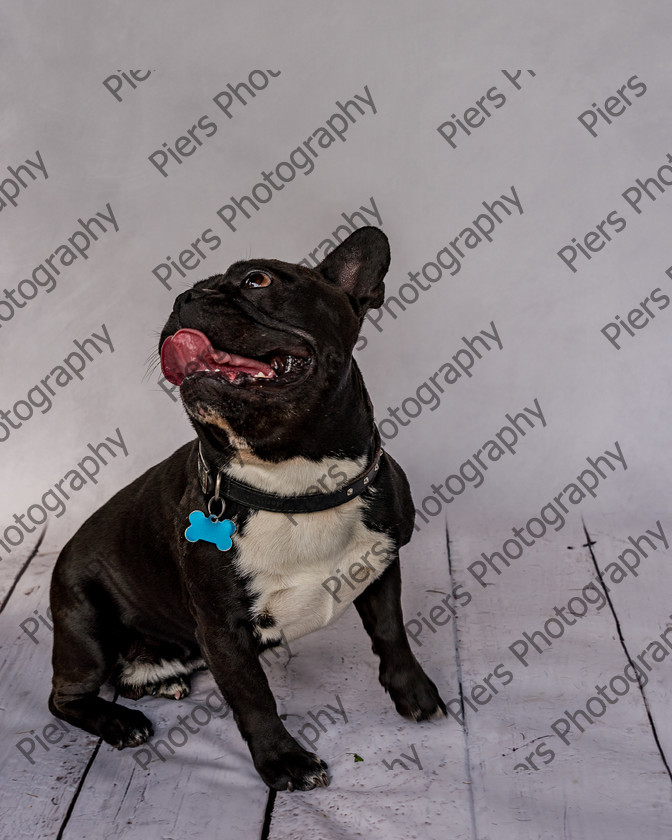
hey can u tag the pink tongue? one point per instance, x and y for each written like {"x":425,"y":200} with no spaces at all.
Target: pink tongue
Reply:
{"x":189,"y":351}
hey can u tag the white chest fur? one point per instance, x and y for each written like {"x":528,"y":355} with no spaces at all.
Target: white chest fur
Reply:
{"x":305,"y":569}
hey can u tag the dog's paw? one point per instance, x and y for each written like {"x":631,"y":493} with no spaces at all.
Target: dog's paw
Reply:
{"x":126,"y":728}
{"x":174,"y":688}
{"x":417,"y":698}
{"x":294,"y":770}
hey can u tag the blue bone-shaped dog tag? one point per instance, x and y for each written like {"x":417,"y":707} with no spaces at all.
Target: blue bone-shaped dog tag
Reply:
{"x":210,"y":529}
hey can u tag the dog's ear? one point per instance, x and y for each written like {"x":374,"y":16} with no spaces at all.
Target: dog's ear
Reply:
{"x":358,"y":266}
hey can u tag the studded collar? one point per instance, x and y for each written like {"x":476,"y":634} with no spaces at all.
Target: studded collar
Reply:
{"x":224,"y":488}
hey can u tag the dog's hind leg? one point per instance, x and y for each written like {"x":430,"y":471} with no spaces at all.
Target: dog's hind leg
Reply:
{"x":85,"y":652}
{"x":156,"y":669}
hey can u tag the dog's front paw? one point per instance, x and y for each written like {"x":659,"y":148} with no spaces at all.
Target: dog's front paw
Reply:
{"x":126,"y":728}
{"x":416,"y":697}
{"x":294,"y":769}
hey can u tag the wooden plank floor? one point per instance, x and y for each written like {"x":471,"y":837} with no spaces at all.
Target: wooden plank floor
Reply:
{"x":501,"y":766}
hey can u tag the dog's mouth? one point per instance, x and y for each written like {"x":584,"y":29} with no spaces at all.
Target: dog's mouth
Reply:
{"x":189,"y":353}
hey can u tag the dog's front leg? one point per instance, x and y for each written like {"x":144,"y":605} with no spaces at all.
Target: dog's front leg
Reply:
{"x":379,"y":606}
{"x":231,"y":650}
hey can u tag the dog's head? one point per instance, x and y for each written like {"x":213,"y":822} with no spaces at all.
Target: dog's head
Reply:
{"x":267,"y":346}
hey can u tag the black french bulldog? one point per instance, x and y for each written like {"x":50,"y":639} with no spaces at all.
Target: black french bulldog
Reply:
{"x":141,"y":600}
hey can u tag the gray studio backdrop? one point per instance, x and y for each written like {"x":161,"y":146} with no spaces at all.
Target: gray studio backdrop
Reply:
{"x":516,"y":154}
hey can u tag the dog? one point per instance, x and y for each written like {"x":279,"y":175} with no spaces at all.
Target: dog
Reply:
{"x":232,"y":544}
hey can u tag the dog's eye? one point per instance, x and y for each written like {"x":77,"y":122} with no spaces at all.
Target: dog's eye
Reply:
{"x":256,"y":280}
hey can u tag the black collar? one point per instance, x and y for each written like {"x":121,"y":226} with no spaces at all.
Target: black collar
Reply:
{"x":225,"y":488}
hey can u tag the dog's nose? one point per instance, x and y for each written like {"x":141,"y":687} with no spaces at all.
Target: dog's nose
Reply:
{"x":183,"y":299}
{"x":191,"y":295}
{"x":181,"y":305}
